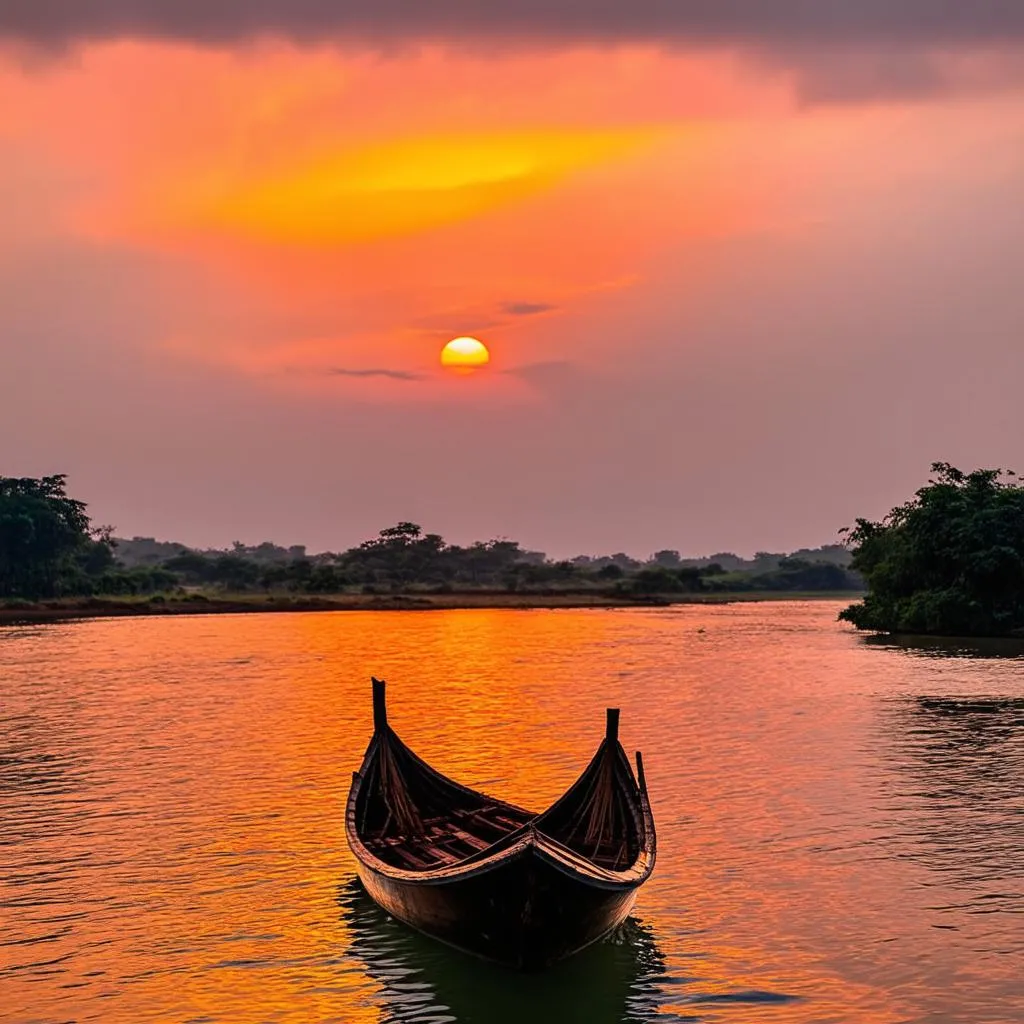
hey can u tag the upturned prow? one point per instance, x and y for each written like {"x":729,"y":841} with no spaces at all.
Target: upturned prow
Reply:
{"x":641,"y":779}
{"x":612,"y":726}
{"x":380,"y":704}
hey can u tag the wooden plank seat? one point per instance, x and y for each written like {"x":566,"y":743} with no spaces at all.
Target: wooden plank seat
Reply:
{"x":468,"y":838}
{"x":396,"y":851}
{"x":421,"y":856}
{"x":489,"y":818}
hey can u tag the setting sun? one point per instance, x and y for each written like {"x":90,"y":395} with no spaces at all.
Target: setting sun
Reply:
{"x":465,"y":354}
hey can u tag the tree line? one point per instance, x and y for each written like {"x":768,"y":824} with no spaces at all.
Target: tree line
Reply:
{"x":949,"y":561}
{"x":49,"y":548}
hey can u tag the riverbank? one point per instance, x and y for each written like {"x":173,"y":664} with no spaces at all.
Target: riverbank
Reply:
{"x":24,"y":612}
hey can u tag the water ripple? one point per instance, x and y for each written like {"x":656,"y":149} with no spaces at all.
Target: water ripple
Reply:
{"x":841,"y":822}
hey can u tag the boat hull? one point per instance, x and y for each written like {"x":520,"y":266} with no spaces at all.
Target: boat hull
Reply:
{"x":523,"y":911}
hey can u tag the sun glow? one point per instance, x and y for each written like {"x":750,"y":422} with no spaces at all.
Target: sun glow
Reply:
{"x":361,"y":192}
{"x":465,"y":354}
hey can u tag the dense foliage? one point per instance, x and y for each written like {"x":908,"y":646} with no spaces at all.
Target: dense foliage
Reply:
{"x":46,"y":540}
{"x":48,"y":548}
{"x":950,"y":561}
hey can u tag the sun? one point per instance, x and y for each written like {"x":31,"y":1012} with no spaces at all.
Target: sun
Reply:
{"x":465,"y":354}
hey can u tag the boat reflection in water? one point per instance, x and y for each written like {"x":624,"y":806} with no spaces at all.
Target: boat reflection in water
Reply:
{"x":424,"y":982}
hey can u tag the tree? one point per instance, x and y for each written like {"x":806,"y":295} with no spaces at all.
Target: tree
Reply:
{"x":801,"y":574}
{"x":766,"y":561}
{"x":691,"y":578}
{"x":621,"y":559}
{"x":656,"y":581}
{"x":401,"y":534}
{"x":666,"y":559}
{"x":726,"y":561}
{"x":41,"y":532}
{"x":950,"y":561}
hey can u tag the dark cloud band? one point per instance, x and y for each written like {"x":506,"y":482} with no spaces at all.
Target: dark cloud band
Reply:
{"x":338,"y":371}
{"x":527,"y":308}
{"x":729,"y":22}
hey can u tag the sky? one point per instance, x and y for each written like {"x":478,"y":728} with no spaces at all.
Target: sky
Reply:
{"x":745,"y":270}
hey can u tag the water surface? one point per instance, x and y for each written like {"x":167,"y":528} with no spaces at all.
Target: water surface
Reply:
{"x":841,"y":822}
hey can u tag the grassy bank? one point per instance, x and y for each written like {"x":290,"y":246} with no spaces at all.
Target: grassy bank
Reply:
{"x":17,"y":612}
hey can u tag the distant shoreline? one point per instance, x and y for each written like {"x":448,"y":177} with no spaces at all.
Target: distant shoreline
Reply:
{"x":29,"y":613}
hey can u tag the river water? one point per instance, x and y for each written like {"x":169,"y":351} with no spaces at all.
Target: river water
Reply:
{"x":840,"y":822}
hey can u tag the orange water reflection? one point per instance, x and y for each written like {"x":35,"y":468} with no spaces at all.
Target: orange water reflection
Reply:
{"x":171,"y":842}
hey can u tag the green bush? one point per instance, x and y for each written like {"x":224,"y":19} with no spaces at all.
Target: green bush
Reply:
{"x":950,"y":561}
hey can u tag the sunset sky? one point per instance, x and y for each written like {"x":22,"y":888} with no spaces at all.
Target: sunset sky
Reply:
{"x":744,"y":269}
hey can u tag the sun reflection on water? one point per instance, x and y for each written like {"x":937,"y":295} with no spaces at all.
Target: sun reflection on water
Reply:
{"x":838,"y":822}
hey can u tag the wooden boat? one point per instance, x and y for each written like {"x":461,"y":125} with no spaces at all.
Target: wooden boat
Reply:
{"x":491,"y":878}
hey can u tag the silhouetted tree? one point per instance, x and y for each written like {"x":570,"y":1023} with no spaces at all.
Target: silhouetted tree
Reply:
{"x":949,"y":561}
{"x":667,"y":559}
{"x":42,"y":530}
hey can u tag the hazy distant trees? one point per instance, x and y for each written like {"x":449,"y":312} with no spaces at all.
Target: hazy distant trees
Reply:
{"x":48,"y":548}
{"x":949,"y":561}
{"x":146,"y":551}
{"x":620,"y":560}
{"x":661,"y":580}
{"x":789,"y":574}
{"x":403,"y":557}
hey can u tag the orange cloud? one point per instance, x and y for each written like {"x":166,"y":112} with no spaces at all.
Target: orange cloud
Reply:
{"x":338,"y":208}
{"x":398,"y":187}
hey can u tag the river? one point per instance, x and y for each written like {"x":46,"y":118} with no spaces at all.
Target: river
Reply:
{"x":840,"y":821}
